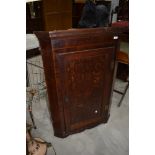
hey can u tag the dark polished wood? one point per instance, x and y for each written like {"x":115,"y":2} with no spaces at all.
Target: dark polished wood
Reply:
{"x":79,"y":67}
{"x":124,"y":26}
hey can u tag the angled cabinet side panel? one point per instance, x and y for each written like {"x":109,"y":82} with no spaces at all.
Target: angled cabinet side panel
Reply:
{"x":55,"y":109}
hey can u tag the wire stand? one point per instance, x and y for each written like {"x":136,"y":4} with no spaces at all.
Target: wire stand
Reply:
{"x":35,"y":82}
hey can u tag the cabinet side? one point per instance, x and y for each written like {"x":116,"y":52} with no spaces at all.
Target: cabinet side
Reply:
{"x":56,"y":111}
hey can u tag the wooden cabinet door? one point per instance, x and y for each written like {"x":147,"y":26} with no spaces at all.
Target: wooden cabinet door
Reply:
{"x":85,"y":80}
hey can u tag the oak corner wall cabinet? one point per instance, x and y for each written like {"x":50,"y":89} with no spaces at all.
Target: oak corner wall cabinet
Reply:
{"x":79,"y":67}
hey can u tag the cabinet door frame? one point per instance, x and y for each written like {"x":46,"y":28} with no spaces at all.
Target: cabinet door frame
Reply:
{"x":108,"y":67}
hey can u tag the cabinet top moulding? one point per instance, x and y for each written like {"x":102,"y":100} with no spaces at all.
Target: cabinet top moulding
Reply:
{"x":27,"y":1}
{"x":81,"y":32}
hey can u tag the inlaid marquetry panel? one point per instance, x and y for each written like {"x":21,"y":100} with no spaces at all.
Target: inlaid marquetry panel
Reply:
{"x":84,"y":77}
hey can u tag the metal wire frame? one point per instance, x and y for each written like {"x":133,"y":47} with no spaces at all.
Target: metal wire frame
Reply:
{"x":35,"y":83}
{"x":35,"y":86}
